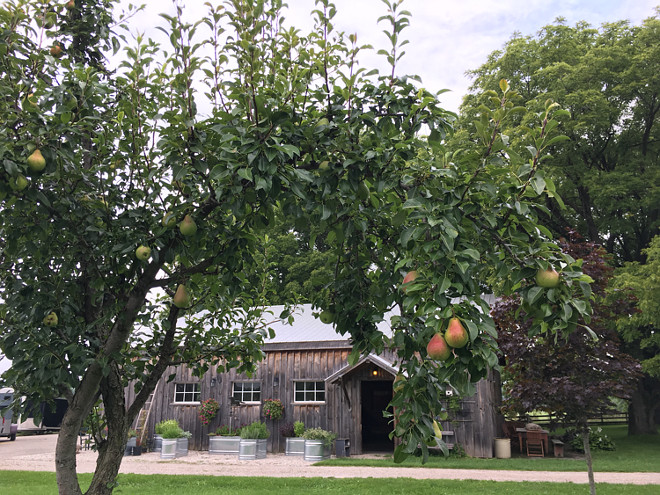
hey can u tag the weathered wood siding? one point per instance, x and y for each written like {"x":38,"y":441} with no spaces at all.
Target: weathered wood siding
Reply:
{"x":475,"y":425}
{"x":477,"y":422}
{"x":276,"y":374}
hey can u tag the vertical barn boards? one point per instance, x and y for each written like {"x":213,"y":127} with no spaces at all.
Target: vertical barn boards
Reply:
{"x":476,"y":420}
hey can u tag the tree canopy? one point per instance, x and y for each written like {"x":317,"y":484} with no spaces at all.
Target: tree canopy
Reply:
{"x":608,"y":78}
{"x":639,"y":328}
{"x":132,"y":224}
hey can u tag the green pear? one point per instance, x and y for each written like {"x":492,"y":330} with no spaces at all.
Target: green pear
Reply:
{"x":142,"y":253}
{"x":50,"y":320}
{"x":187,"y":226}
{"x":327,"y":317}
{"x":19,"y":183}
{"x":181,"y":298}
{"x":169,"y":220}
{"x":547,"y":278}
{"x":363,"y":191}
{"x":36,"y":161}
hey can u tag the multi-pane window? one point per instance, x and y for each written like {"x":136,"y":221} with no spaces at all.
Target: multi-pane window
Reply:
{"x":247,"y":391}
{"x":309,"y":392}
{"x":186,"y":392}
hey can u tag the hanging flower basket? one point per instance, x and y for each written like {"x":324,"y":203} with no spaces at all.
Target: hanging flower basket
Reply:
{"x":273,"y":409}
{"x":208,"y":410}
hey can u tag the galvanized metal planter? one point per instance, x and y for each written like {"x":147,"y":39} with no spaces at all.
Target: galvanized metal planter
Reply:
{"x":295,"y":446}
{"x":181,"y":447}
{"x":224,"y":445}
{"x":158,"y":443}
{"x":168,"y":448}
{"x":252,"y":448}
{"x":316,"y":450}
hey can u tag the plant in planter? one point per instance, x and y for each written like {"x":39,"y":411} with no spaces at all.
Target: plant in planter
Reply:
{"x":171,"y":434}
{"x":318,"y":444}
{"x":273,"y":409}
{"x":298,"y":428}
{"x":158,"y":430}
{"x":253,"y":441}
{"x":132,"y":447}
{"x":208,"y":410}
{"x":225,"y":441}
{"x":182,"y":443}
{"x":295,"y":444}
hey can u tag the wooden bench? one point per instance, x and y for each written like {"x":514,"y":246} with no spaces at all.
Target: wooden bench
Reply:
{"x":558,"y":447}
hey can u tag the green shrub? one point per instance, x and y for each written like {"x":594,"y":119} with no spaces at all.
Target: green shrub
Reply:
{"x":298,"y":428}
{"x":226,"y":431}
{"x":172,"y":430}
{"x":165,"y":424}
{"x":255,"y":430}
{"x":320,"y":434}
{"x":598,"y":439}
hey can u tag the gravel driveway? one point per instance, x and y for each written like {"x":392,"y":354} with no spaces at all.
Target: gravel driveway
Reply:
{"x":37,"y":454}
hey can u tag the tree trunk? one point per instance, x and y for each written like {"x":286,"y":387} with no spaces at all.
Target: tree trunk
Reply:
{"x":111,"y":452}
{"x":67,"y":440}
{"x":643,"y":406}
{"x":587,"y":456}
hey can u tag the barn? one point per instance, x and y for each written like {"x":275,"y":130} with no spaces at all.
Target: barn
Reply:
{"x":306,"y":367}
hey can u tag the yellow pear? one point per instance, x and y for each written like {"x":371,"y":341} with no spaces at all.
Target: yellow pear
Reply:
{"x":36,"y":161}
{"x":181,"y":298}
{"x":51,"y":319}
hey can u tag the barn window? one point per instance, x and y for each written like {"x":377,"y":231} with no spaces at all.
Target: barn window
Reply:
{"x":247,"y":391}
{"x":309,"y":392}
{"x":187,"y":392}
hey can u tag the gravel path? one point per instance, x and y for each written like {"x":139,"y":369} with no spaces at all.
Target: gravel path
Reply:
{"x":279,"y":465}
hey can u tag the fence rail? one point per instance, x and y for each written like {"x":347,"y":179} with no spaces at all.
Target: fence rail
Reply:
{"x":601,"y":419}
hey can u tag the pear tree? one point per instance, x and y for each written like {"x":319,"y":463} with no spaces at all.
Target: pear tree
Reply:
{"x":192,"y":147}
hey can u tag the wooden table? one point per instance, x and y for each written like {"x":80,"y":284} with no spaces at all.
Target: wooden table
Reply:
{"x":522,"y":435}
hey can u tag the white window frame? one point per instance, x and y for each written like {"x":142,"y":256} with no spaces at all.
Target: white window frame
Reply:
{"x":305,"y":390}
{"x":195,"y":392}
{"x":252,"y":391}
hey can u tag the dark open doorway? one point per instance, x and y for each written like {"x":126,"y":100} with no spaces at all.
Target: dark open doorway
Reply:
{"x":375,"y":397}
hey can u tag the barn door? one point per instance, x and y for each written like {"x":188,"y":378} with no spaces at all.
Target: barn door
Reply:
{"x":375,"y":396}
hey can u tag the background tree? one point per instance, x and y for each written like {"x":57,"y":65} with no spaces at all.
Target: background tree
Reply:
{"x":299,"y":260}
{"x":639,"y":328}
{"x":574,"y":378}
{"x":608,"y":78}
{"x":294,"y":126}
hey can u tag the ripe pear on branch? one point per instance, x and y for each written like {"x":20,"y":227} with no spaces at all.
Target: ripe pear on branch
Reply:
{"x":456,"y":335}
{"x":36,"y":161}
{"x":548,"y":278}
{"x":181,"y":298}
{"x":187,"y":226}
{"x":437,"y":348}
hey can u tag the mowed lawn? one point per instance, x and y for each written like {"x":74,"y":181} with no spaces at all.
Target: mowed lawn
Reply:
{"x":40,"y":483}
{"x":640,"y":453}
{"x":633,"y":454}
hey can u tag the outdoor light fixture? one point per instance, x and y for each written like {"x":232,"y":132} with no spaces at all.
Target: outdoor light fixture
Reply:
{"x":374,"y":372}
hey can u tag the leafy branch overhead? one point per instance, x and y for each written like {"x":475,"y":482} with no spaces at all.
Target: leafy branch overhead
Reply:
{"x":142,"y":227}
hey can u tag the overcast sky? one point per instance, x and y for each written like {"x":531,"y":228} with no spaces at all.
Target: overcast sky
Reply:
{"x":447,"y":37}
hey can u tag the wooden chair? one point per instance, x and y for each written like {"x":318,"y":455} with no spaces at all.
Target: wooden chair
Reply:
{"x":534,"y":443}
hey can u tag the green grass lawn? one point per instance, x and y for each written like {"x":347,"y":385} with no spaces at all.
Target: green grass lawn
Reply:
{"x":41,"y":483}
{"x":633,"y":454}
